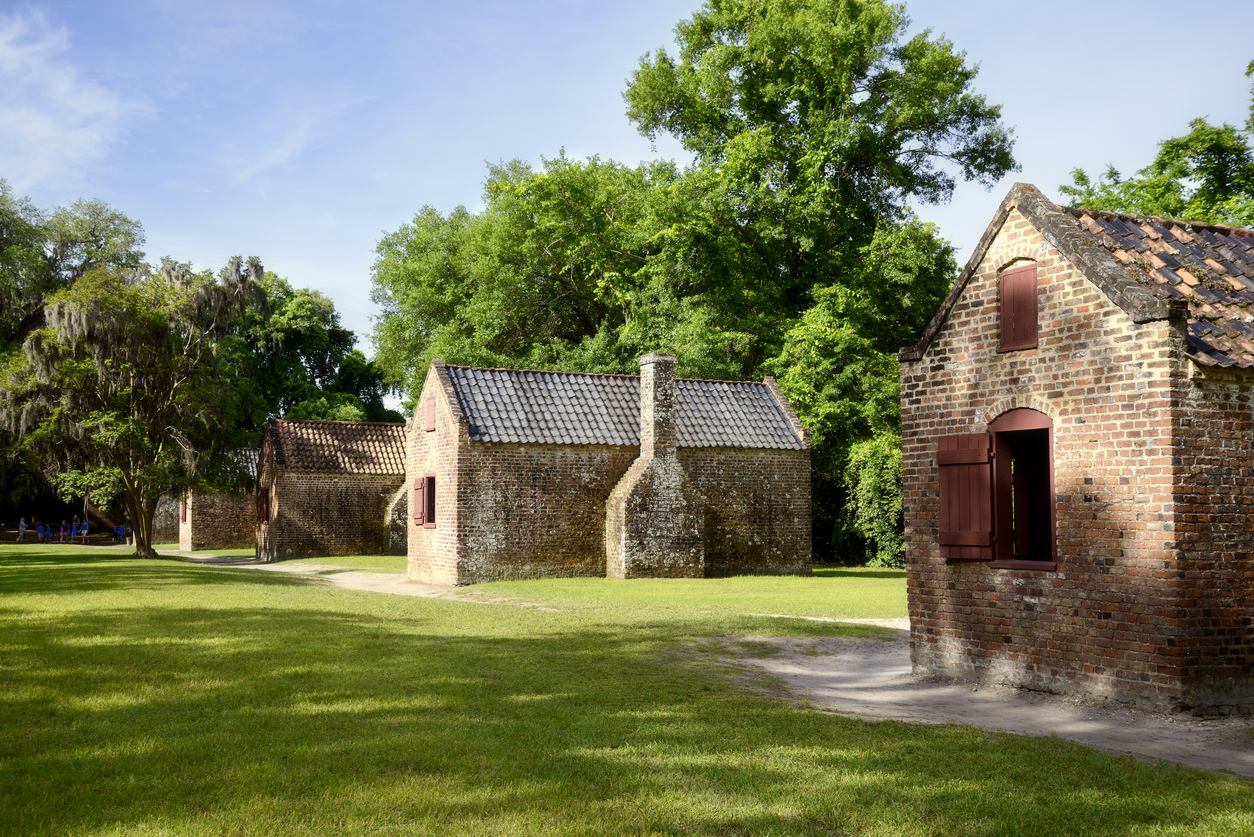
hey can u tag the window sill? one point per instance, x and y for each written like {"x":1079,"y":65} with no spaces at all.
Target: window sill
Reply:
{"x":1014,"y":564}
{"x":428,"y":525}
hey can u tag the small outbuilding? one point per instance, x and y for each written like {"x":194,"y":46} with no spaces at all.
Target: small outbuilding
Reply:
{"x":523,"y":474}
{"x":1078,"y":442}
{"x":330,"y":488}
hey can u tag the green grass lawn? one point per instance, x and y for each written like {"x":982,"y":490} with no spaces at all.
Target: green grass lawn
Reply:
{"x":165,"y":698}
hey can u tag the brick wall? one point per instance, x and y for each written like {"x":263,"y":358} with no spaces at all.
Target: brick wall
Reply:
{"x":317,"y":514}
{"x":757,"y":509}
{"x":1104,"y":622}
{"x":219,"y":521}
{"x":1214,"y":509}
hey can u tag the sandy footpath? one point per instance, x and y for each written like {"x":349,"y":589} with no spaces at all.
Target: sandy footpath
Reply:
{"x":870,"y":678}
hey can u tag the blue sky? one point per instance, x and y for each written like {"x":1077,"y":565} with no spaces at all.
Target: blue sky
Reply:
{"x":301,"y":132}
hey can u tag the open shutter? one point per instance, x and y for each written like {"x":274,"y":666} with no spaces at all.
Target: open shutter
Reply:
{"x":964,"y":468}
{"x":1018,"y":309}
{"x":420,"y":501}
{"x":430,"y":414}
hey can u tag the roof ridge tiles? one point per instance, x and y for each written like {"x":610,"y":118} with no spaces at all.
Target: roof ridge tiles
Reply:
{"x":339,"y":421}
{"x":1240,"y":232}
{"x":541,"y":371}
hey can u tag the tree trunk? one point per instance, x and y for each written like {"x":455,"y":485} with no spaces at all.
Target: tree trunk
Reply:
{"x":142,"y":509}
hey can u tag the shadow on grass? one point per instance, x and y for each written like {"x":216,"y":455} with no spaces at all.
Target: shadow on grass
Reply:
{"x":286,"y":714}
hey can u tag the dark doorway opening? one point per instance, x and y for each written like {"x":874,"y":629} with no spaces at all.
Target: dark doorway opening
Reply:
{"x":1026,"y":494}
{"x":1023,"y":486}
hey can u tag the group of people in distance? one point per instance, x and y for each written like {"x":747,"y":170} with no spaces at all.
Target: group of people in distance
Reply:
{"x":74,"y":531}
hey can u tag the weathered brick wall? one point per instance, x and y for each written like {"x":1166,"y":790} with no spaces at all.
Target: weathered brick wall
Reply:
{"x":397,"y":522}
{"x":165,"y":521}
{"x":757,"y":509}
{"x":1103,"y":622}
{"x":317,"y":514}
{"x":219,"y":521}
{"x":1215,"y":507}
{"x":535,"y":511}
{"x":433,"y":551}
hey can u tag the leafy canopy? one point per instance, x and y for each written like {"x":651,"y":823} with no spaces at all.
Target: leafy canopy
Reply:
{"x":1207,"y":175}
{"x":41,"y":253}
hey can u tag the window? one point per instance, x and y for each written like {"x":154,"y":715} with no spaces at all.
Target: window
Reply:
{"x":1018,"y":309}
{"x":263,"y":505}
{"x":430,"y":414}
{"x":997,"y":493}
{"x":183,"y":510}
{"x":424,"y":501}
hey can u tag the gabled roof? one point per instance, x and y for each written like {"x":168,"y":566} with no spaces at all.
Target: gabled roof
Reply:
{"x":510,"y":405}
{"x":1143,"y":297}
{"x":345,"y":447}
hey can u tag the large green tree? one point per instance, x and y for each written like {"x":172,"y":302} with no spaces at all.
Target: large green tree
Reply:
{"x":298,"y":361}
{"x":1206,"y":175}
{"x":41,"y":253}
{"x":813,"y":126}
{"x":122,"y":396}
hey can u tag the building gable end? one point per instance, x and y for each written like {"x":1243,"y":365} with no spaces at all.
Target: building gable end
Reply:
{"x":1061,"y":232}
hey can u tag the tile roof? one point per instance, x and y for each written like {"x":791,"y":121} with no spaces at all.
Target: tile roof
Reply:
{"x":248,"y":458}
{"x":1211,"y":267}
{"x":347,"y":447}
{"x":508,"y":405}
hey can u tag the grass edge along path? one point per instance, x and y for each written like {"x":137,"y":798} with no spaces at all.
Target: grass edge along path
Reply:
{"x":155,"y":697}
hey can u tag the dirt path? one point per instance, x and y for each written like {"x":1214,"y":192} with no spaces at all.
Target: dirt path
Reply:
{"x":870,"y":678}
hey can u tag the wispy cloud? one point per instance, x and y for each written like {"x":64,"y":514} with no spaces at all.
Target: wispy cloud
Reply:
{"x":53,"y":122}
{"x":283,"y":137}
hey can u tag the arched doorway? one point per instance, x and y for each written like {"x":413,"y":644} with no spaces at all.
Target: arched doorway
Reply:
{"x":1023,"y":487}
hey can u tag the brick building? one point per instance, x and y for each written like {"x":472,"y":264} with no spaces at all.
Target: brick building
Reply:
{"x":519,"y":474}
{"x":220,"y":519}
{"x":1078,"y":444}
{"x":330,"y":488}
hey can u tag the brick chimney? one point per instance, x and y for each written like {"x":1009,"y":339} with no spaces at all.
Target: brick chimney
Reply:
{"x":655,"y":516}
{"x":657,"y":405}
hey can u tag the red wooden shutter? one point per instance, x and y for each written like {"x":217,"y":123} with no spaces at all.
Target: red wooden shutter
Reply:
{"x":964,"y":469}
{"x":182,"y":511}
{"x":430,"y":414}
{"x":263,"y":505}
{"x":420,"y":501}
{"x":1018,"y":309}
{"x":430,"y":499}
